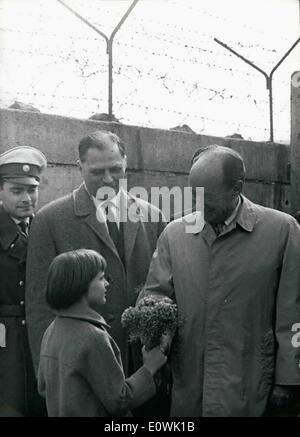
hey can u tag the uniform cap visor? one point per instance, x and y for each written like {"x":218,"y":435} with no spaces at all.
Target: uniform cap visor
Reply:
{"x":22,"y":180}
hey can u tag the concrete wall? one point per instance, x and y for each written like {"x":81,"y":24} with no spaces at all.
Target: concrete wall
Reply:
{"x":155,"y":157}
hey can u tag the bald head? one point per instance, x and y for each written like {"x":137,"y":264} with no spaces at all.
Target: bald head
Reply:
{"x":221,"y":172}
{"x":218,"y":158}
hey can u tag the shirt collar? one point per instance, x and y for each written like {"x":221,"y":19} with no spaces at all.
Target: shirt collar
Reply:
{"x":234,"y":213}
{"x":18,"y":221}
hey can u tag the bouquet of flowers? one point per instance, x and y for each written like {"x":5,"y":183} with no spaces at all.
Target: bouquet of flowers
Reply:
{"x":152,"y":317}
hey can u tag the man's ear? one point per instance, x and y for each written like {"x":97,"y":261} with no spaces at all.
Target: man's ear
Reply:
{"x":238,"y":187}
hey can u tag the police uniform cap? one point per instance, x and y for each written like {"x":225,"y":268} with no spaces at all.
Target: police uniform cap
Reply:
{"x":22,"y":165}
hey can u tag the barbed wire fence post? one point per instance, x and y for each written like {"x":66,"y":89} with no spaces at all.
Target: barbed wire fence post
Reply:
{"x":268,"y":77}
{"x":109,"y":47}
{"x":295,"y":142}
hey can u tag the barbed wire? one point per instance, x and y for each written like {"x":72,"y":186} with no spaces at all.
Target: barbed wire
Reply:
{"x":188,"y":116}
{"x":165,"y":55}
{"x":199,"y":53}
{"x":147,"y":107}
{"x":223,"y":19}
{"x":153,"y":53}
{"x":170,"y":39}
{"x":141,"y":21}
{"x":41,"y":94}
{"x":196,"y":85}
{"x":120,"y":69}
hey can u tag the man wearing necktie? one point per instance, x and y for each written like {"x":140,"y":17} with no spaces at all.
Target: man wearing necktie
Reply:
{"x":81,"y":220}
{"x":20,"y":170}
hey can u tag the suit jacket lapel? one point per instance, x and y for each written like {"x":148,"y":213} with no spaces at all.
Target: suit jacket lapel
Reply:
{"x":84,"y":207}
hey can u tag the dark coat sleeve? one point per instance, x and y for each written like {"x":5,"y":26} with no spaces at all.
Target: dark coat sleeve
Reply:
{"x":41,"y":251}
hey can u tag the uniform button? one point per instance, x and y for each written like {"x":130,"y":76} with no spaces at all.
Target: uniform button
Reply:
{"x":21,"y":283}
{"x":12,"y":246}
{"x":23,"y":322}
{"x":22,"y":302}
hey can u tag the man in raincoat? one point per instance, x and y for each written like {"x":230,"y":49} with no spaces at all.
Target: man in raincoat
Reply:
{"x":236,"y":281}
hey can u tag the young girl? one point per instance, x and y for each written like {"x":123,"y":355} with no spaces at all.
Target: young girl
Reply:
{"x":80,"y":371}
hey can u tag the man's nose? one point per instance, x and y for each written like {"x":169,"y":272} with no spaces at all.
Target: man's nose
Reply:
{"x":26,"y":197}
{"x":107,"y":178}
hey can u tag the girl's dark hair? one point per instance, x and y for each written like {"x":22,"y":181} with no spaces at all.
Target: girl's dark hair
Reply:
{"x":70,"y":275}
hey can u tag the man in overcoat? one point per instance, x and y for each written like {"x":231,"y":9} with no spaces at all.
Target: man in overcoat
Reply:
{"x":80,"y":220}
{"x":236,"y":279}
{"x":20,"y":170}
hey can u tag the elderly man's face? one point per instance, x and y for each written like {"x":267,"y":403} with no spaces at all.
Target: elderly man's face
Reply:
{"x":103,"y":168}
{"x":219,"y":201}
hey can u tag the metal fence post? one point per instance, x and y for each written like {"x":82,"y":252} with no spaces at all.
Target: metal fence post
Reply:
{"x":295,"y":142}
{"x":269,"y":78}
{"x":109,"y":47}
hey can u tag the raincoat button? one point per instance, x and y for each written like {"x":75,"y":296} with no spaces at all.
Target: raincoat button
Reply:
{"x":21,"y":283}
{"x":23,"y":322}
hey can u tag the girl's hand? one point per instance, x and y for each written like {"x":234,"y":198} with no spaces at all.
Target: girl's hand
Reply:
{"x":153,"y":359}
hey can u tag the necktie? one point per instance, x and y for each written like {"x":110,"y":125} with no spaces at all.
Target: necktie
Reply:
{"x":23,"y":226}
{"x":112,"y":225}
{"x":115,"y":233}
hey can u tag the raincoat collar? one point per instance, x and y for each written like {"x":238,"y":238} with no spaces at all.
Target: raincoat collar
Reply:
{"x":81,"y":312}
{"x":246,"y":218}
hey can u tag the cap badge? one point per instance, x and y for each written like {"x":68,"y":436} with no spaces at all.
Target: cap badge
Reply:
{"x":26,"y":168}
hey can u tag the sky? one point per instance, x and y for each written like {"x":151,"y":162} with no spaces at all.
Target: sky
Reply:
{"x":168,"y":69}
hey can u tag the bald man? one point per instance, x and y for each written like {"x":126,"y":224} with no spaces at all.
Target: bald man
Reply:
{"x":236,"y":281}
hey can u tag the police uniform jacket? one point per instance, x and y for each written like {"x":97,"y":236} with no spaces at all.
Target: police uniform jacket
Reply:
{"x":17,"y":381}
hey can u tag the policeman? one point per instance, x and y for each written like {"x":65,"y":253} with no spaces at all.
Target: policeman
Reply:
{"x":20,"y":170}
